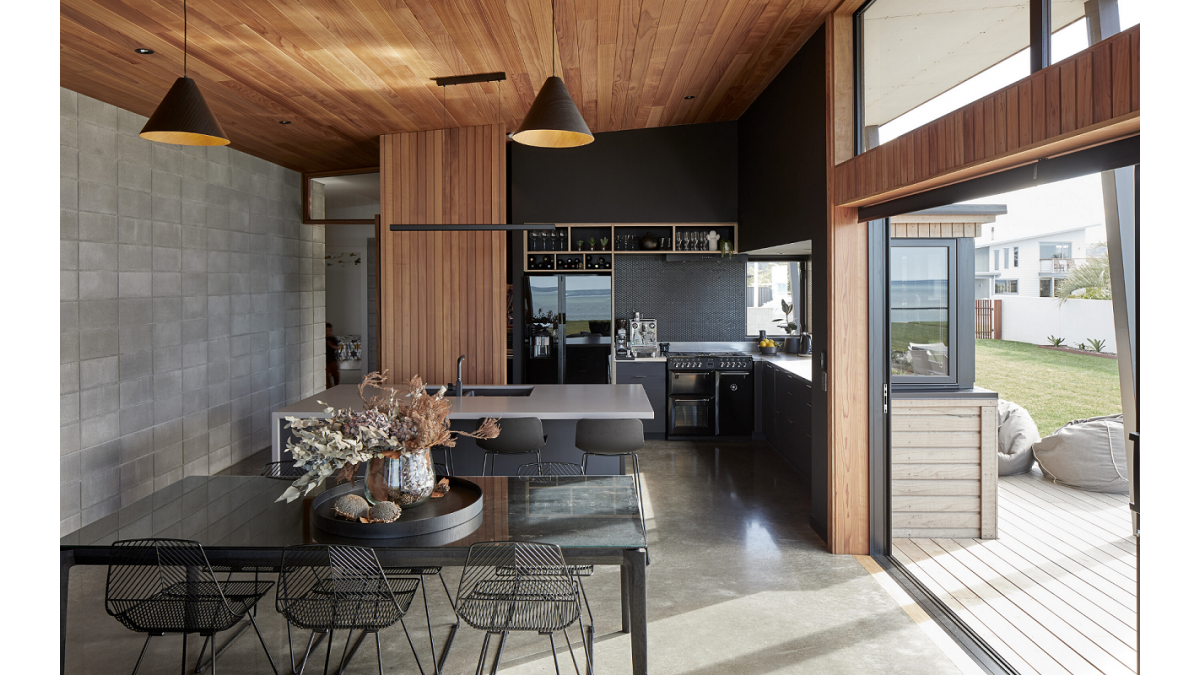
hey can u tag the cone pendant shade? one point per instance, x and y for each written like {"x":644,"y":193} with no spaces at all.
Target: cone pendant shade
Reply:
{"x":553,"y":121}
{"x":183,"y":118}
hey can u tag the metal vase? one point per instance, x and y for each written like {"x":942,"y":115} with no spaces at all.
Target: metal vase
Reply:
{"x":791,"y":345}
{"x":407,"y":480}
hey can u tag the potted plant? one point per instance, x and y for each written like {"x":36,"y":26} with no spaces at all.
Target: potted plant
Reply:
{"x":591,"y":244}
{"x":578,"y":244}
{"x":603,"y":243}
{"x":792,"y":344}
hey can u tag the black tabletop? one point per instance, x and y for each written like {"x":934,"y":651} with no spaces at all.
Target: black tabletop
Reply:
{"x":576,"y":512}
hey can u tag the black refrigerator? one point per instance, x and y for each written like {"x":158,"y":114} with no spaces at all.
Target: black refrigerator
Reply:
{"x":568,"y":329}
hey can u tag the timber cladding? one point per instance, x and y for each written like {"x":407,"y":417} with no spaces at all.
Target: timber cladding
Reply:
{"x":944,"y":468}
{"x":442,"y":294}
{"x":1087,"y":99}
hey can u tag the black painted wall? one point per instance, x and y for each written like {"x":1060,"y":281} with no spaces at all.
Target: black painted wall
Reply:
{"x":781,"y":155}
{"x":696,"y":301}
{"x":781,"y":200}
{"x":667,"y":174}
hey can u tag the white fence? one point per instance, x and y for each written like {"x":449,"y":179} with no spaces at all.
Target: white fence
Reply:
{"x":1032,"y":320}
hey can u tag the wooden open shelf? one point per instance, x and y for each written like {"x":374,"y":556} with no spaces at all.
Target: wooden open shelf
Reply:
{"x":585,"y":231}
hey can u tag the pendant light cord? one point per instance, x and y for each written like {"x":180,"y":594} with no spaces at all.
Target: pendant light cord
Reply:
{"x":553,"y":37}
{"x":185,"y":38}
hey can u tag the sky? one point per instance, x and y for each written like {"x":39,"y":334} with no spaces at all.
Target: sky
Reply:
{"x":1046,"y":208}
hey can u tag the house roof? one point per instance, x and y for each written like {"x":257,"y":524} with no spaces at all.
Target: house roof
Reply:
{"x":1039,"y":235}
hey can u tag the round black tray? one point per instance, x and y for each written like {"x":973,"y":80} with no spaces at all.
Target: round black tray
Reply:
{"x":461,"y":505}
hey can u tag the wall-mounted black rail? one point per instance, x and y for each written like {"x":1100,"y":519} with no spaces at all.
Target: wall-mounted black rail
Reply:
{"x":430,"y":227}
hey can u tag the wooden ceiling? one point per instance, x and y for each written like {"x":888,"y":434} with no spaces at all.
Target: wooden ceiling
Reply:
{"x":345,"y":71}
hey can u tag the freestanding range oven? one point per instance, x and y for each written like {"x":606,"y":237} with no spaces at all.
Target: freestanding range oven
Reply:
{"x":710,"y":394}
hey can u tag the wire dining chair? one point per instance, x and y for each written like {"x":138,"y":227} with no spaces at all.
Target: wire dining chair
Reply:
{"x":160,"y":586}
{"x":517,"y":586}
{"x":325,"y":588}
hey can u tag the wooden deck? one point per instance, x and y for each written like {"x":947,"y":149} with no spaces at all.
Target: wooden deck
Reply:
{"x":1056,"y":592}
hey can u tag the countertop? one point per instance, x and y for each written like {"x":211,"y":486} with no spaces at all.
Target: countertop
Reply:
{"x":790,"y":363}
{"x":548,"y":402}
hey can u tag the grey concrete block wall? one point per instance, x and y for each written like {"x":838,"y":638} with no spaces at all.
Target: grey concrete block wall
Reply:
{"x":192,"y":304}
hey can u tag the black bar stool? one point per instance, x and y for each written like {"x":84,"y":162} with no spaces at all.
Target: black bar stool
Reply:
{"x":614,"y":438}
{"x":518,"y":436}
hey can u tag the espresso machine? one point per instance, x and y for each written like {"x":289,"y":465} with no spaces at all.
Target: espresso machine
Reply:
{"x":643,"y":337}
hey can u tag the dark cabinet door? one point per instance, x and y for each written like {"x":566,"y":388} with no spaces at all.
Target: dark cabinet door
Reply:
{"x":767,"y":406}
{"x":653,"y":378}
{"x":735,"y":404}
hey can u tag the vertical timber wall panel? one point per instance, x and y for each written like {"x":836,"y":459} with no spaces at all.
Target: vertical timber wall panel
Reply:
{"x":443,"y":293}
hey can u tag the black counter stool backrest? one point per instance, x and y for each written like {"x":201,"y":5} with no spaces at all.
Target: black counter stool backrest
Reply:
{"x":518,"y":436}
{"x":549,"y":469}
{"x":323,"y":588}
{"x":160,"y":586}
{"x":614,"y":438}
{"x":517,"y":586}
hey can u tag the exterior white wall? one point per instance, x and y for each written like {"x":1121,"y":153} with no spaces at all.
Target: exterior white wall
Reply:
{"x":1033,"y":319}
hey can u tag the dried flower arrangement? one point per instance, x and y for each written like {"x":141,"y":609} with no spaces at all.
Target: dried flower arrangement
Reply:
{"x":399,"y":421}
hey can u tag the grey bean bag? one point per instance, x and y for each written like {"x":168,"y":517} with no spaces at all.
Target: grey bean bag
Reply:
{"x":1086,"y":454}
{"x":1016,"y":435}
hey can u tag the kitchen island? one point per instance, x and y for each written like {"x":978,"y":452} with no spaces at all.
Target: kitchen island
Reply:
{"x":559,"y":406}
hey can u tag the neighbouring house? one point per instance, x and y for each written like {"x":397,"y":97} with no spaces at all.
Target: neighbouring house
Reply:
{"x":1032,"y":266}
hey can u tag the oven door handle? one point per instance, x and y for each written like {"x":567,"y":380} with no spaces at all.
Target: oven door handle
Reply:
{"x":717,"y":403}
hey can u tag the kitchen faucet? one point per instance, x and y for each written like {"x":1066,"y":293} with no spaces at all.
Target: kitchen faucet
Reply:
{"x":458,"y":388}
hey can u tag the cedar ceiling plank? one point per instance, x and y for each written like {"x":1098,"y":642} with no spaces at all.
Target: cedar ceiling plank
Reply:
{"x":720,"y":55}
{"x":651,"y":11}
{"x":664,"y":42}
{"x":684,"y":82}
{"x":606,"y":58}
{"x":535,"y":65}
{"x":810,"y":19}
{"x":568,"y":49}
{"x":627,"y":30}
{"x":587,"y":39}
{"x":692,"y":11}
{"x":779,"y":26}
{"x":714,"y":29}
{"x":478,"y":45}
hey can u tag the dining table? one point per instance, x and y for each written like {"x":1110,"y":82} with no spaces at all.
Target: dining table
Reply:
{"x":595,"y":520}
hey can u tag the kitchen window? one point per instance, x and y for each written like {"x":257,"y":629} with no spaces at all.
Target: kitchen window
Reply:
{"x":1004,"y":286}
{"x":767,"y":284}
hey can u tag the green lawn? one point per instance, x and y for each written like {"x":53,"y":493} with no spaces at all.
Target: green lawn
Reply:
{"x":1055,"y":387}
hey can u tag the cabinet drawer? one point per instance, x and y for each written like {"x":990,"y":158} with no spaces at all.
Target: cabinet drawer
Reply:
{"x":793,"y":388}
{"x":639,"y":373}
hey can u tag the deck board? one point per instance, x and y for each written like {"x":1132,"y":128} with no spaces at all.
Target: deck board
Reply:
{"x":1056,"y":592}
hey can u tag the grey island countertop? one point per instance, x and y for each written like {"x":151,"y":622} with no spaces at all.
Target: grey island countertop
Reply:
{"x":547,"y":401}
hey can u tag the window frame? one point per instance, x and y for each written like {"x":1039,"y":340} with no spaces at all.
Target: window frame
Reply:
{"x":800,"y":285}
{"x":955,"y":365}
{"x":306,"y":197}
{"x":1016,"y":287}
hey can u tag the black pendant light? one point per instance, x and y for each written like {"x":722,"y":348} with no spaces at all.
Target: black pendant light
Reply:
{"x":553,"y":121}
{"x":183,"y":117}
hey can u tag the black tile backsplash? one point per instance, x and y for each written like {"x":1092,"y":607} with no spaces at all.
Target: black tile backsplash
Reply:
{"x":695,"y":301}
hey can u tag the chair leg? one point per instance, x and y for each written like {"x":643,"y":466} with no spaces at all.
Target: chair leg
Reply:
{"x":554,"y":653}
{"x":379,"y":652}
{"x":328,"y":646}
{"x":213,"y":642}
{"x":584,"y":463}
{"x":499,"y":652}
{"x":487,"y":637}
{"x":307,"y":651}
{"x":147,"y":644}
{"x":429,"y":625}
{"x":413,"y":647}
{"x":441,"y":663}
{"x":262,"y":642}
{"x":483,"y":471}
{"x":182,"y":660}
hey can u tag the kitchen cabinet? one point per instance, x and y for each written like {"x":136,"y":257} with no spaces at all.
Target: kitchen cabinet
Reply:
{"x":787,"y":416}
{"x":653,"y":378}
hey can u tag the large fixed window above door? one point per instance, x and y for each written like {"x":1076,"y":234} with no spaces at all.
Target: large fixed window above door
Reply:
{"x":923,"y":314}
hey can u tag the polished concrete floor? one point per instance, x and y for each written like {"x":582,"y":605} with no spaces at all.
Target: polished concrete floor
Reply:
{"x":739,"y":583}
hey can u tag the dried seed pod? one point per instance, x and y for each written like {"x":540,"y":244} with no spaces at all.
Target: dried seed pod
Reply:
{"x":405,"y":498}
{"x":443,"y":486}
{"x":351,"y":506}
{"x":384,"y":512}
